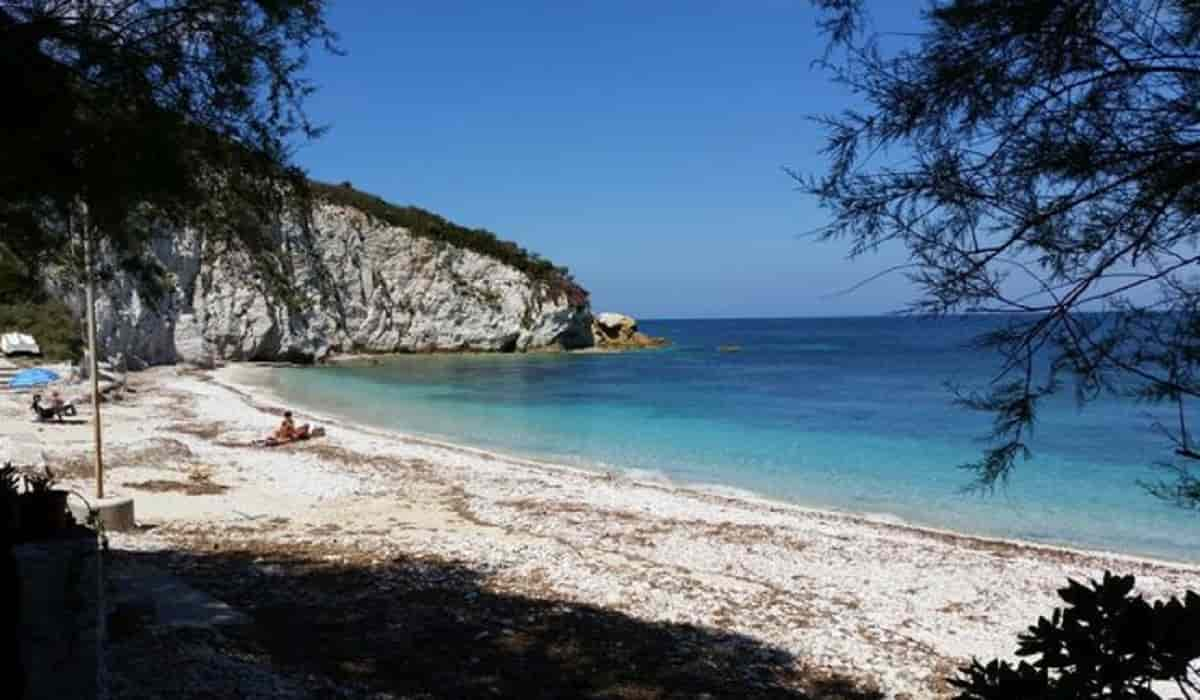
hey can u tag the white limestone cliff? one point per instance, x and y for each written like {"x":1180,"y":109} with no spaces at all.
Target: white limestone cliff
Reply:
{"x":360,"y":285}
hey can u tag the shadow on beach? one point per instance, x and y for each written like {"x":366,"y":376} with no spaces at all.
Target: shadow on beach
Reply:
{"x":424,"y":628}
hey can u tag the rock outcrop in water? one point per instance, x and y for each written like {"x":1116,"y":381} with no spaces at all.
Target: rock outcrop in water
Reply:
{"x":614,"y":331}
{"x":360,"y":285}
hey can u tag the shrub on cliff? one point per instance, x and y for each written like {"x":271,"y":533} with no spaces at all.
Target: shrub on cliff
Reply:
{"x":429,"y":225}
{"x":1107,"y":643}
{"x":25,"y":308}
{"x":16,"y":282}
{"x":57,"y":331}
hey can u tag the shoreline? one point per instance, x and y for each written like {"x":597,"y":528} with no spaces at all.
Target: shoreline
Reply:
{"x":228,"y":376}
{"x":374,"y":357}
{"x":893,"y":606}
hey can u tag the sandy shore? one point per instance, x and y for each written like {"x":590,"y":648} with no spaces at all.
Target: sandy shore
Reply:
{"x":895,"y":606}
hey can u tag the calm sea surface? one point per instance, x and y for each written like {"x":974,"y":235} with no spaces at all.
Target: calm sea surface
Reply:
{"x":848,"y":414}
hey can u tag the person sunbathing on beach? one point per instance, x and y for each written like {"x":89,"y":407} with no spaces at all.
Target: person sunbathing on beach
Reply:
{"x":287,"y":430}
{"x":60,"y":406}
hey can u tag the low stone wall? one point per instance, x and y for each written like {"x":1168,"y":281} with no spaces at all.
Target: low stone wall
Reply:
{"x":62,"y":627}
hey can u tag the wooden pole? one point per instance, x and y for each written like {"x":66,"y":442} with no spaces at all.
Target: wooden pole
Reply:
{"x":94,"y":362}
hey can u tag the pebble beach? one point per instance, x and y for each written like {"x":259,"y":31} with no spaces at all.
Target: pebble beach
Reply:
{"x":825,"y":595}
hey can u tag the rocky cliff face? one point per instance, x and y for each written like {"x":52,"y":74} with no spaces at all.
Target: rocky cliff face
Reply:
{"x":360,"y":285}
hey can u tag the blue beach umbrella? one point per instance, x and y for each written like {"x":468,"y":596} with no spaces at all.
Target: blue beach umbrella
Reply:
{"x":30,"y":378}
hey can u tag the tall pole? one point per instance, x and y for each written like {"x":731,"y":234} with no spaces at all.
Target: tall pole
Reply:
{"x":94,"y":362}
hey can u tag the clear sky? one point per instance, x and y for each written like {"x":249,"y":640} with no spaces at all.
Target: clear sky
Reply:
{"x":639,"y":143}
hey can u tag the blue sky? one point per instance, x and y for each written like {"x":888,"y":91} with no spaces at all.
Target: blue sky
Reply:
{"x":639,"y":143}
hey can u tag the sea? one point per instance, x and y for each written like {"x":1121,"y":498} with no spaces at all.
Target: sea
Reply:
{"x":845,"y":414}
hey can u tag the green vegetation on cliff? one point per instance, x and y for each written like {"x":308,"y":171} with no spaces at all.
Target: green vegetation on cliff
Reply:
{"x":51,"y":322}
{"x":429,"y":225}
{"x":25,"y":307}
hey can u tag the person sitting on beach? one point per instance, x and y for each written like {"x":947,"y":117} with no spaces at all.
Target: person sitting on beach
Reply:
{"x":59,"y":406}
{"x":55,"y":409}
{"x":287,"y":430}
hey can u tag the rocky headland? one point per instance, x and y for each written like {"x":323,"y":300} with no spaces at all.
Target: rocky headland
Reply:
{"x":360,"y":281}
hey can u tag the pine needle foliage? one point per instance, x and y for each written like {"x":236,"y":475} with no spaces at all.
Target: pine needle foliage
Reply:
{"x":1037,"y":160}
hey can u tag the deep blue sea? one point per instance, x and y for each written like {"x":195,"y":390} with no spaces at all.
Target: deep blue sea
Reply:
{"x":849,"y":414}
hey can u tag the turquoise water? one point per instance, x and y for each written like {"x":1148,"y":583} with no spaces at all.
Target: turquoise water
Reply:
{"x":848,"y":414}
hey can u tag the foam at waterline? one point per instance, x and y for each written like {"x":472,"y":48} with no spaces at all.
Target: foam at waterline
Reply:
{"x":611,"y":470}
{"x":734,"y":492}
{"x":889,"y":519}
{"x":744,"y":494}
{"x":662,"y":477}
{"x":653,"y":476}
